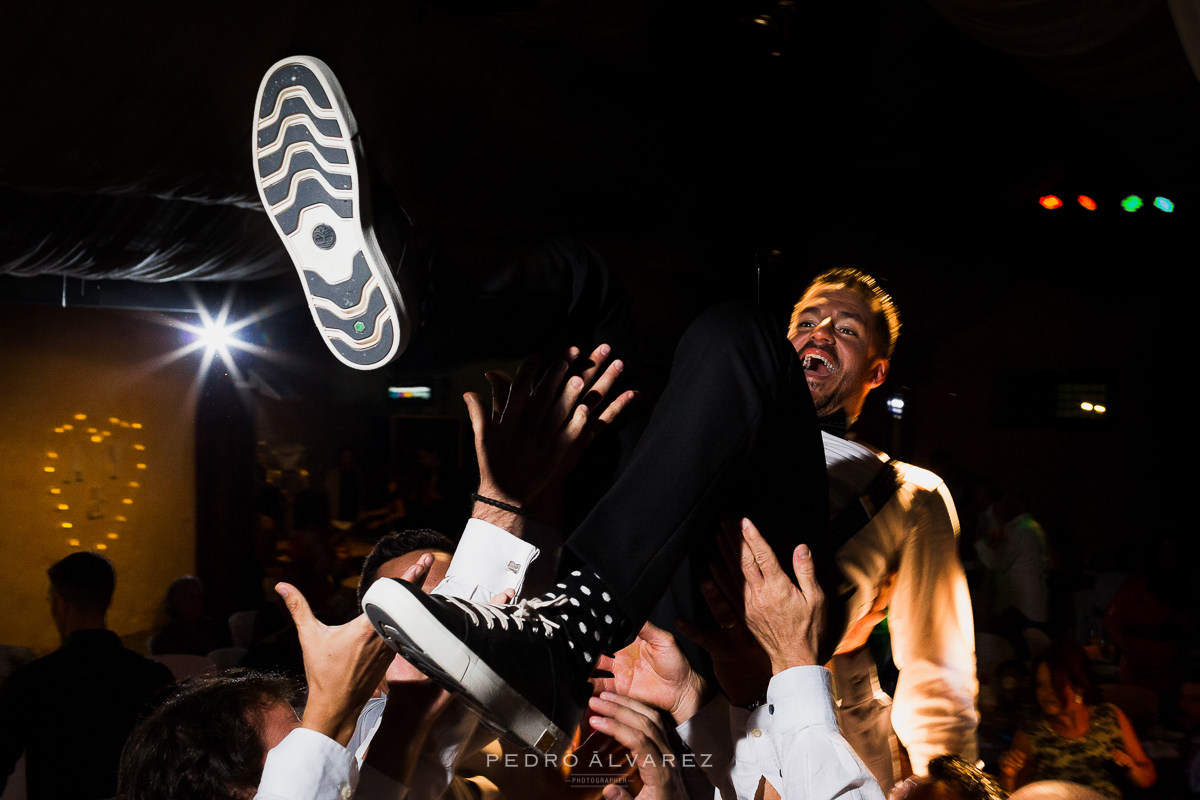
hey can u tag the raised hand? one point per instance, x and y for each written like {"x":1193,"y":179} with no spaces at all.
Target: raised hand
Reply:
{"x":741,"y":665}
{"x":654,"y":671}
{"x":784,"y":617}
{"x":535,"y":435}
{"x":343,"y":665}
{"x":636,"y":726}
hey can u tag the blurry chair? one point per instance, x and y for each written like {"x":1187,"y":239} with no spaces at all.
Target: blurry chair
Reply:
{"x":1139,"y":704}
{"x":991,"y":650}
{"x":1036,"y":640}
{"x":241,"y":628}
{"x":185,"y":666}
{"x":226,"y":657}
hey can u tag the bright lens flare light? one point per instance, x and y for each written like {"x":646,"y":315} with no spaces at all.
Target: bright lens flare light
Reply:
{"x":1086,"y":202}
{"x":1050,"y":201}
{"x":1132,"y":203}
{"x":1163,"y":204}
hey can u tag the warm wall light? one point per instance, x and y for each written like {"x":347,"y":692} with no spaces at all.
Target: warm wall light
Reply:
{"x":114,"y":420}
{"x":124,"y":424}
{"x":73,"y":542}
{"x":1050,"y":201}
{"x":119,"y":518}
{"x":112,"y":536}
{"x":56,"y":490}
{"x":101,"y":546}
{"x":1100,"y":409}
{"x":81,"y":416}
{"x":58,"y":430}
{"x":63,"y":507}
{"x":128,"y":501}
{"x":105,"y":433}
{"x":134,"y":484}
{"x":141,"y":466}
{"x":52,"y":454}
{"x":1086,"y":406}
{"x":137,"y":425}
{"x":97,"y":438}
{"x":68,"y":427}
{"x":139,"y":447}
{"x":67,"y":525}
{"x":92,"y":430}
{"x":47,"y":469}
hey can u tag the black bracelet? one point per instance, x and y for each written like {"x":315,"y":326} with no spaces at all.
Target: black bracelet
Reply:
{"x":520,"y":512}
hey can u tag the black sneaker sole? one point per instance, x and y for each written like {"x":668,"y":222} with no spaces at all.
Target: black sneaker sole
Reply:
{"x":310,"y":184}
{"x":439,"y":654}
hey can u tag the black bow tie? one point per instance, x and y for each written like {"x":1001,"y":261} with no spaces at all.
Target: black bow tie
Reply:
{"x":834,"y":424}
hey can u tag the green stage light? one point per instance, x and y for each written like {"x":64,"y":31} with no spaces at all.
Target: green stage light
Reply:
{"x":1163,"y":204}
{"x":1132,"y":203}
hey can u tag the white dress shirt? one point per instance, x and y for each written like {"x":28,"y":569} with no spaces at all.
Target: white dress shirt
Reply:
{"x":793,"y":740}
{"x":307,"y":765}
{"x":929,"y":615}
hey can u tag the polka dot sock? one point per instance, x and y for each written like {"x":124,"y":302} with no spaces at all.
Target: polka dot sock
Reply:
{"x":591,"y":620}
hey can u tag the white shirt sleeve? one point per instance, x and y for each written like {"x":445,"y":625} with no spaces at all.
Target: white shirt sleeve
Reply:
{"x":814,"y":760}
{"x":933,"y":638}
{"x":308,"y":765}
{"x":708,"y":736}
{"x":487,"y":561}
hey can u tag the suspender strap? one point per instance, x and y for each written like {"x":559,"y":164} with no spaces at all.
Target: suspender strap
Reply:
{"x":854,"y":517}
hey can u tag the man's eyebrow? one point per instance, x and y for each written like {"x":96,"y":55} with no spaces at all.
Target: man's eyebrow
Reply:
{"x":854,"y":315}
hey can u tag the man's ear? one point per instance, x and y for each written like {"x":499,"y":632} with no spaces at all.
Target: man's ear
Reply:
{"x":879,"y":373}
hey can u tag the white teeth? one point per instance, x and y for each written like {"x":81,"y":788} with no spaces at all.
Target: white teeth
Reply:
{"x":808,"y":359}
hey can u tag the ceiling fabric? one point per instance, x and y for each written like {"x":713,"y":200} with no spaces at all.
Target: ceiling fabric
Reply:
{"x":1104,"y":50}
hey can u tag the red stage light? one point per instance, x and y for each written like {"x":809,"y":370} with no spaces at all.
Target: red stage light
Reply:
{"x":1050,"y":201}
{"x":1086,"y":202}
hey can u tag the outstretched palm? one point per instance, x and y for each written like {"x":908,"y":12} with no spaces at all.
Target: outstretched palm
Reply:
{"x":653,"y":670}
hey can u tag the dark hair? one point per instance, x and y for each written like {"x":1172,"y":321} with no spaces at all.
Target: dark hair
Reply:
{"x":1068,"y":661}
{"x":395,"y":545}
{"x":885,"y":321}
{"x":176,"y":592}
{"x":204,"y":742}
{"x":86,"y":580}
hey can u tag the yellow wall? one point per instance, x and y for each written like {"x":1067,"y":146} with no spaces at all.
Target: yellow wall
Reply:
{"x":56,"y":364}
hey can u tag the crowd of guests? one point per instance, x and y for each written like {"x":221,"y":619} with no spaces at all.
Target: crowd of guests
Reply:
{"x":307,"y":701}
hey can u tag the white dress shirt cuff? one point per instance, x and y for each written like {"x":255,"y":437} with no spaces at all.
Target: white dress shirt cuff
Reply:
{"x":487,"y":561}
{"x":308,"y":765}
{"x":804,"y":698}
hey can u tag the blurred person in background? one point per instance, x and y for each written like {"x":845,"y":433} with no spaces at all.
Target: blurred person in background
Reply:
{"x":1076,"y":738}
{"x":71,"y":711}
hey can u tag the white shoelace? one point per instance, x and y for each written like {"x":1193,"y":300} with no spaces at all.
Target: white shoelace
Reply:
{"x":522,"y":611}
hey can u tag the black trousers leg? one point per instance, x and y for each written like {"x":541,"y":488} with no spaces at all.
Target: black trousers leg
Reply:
{"x":734,"y":434}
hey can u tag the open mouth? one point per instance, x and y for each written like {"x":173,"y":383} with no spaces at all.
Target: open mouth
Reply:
{"x":817,"y":365}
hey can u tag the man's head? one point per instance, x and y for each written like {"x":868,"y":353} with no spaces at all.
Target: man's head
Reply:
{"x":81,"y":587}
{"x":185,"y":599}
{"x":391,"y":558}
{"x":209,"y":740}
{"x":844,"y":329}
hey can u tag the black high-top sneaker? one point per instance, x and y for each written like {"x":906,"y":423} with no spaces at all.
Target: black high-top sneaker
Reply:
{"x":514,"y":665}
{"x":313,"y":183}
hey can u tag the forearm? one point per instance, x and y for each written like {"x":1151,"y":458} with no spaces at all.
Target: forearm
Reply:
{"x":1143,"y":774}
{"x":307,"y":765}
{"x":816,"y":761}
{"x":933,"y":640}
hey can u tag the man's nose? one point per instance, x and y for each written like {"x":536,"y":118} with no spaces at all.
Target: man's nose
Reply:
{"x":824,"y":330}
